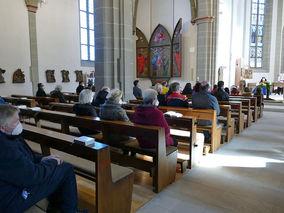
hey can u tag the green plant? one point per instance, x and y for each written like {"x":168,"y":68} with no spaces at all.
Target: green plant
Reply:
{"x":265,"y":84}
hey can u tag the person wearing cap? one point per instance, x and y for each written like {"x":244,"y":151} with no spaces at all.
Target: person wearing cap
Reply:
{"x":40,"y":92}
{"x":220,"y":93}
{"x":137,"y":92}
{"x":58,"y":94}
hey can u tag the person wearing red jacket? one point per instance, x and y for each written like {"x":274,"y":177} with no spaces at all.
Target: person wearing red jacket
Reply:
{"x":149,"y":114}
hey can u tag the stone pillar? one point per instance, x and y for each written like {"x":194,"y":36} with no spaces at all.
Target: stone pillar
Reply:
{"x":32,"y":6}
{"x":206,"y":40}
{"x":277,"y":64}
{"x":113,"y":38}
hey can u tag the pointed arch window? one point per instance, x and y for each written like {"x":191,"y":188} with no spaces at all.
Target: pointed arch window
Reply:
{"x":256,"y":33}
{"x":87,"y":30}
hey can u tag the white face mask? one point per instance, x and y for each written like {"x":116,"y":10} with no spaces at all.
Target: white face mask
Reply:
{"x":18,"y":129}
{"x":157,"y":103}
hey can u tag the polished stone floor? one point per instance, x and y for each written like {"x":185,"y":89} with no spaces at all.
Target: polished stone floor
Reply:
{"x":246,"y":175}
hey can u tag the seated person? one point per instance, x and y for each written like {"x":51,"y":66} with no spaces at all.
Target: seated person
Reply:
{"x":58,"y":94}
{"x":137,"y":92}
{"x":196,"y":87}
{"x":234,"y":91}
{"x":215,"y":87}
{"x":220,"y":93}
{"x":204,"y":100}
{"x":227,"y":90}
{"x":112,"y":110}
{"x":40,"y":92}
{"x":101,"y":96}
{"x":85,"y":108}
{"x":26,"y":177}
{"x":187,"y":89}
{"x":161,"y":97}
{"x":149,"y":114}
{"x":247,"y":92}
{"x":165,"y":88}
{"x":80,"y":87}
{"x":2,"y":101}
{"x":175,"y":99}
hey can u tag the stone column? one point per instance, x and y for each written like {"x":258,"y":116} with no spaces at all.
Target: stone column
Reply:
{"x":113,"y":38}
{"x":32,"y":6}
{"x":206,"y":40}
{"x":278,"y":41}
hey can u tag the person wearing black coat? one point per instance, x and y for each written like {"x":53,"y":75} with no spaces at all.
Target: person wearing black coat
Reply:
{"x":187,"y":89}
{"x":220,"y":93}
{"x":58,"y":94}
{"x":79,"y":88}
{"x":40,"y":92}
{"x":85,"y":108}
{"x":26,"y":177}
{"x":101,"y":96}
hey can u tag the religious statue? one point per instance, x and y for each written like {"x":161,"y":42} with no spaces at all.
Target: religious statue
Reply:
{"x":79,"y":75}
{"x":65,"y":76}
{"x":50,"y":78}
{"x":2,"y":80}
{"x":18,"y":76}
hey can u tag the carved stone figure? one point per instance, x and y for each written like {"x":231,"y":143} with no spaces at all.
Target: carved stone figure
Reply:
{"x":79,"y":75}
{"x":65,"y":76}
{"x":50,"y":78}
{"x":18,"y":76}
{"x":2,"y":80}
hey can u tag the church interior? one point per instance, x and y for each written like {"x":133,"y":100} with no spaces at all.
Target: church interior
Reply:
{"x":157,"y":105}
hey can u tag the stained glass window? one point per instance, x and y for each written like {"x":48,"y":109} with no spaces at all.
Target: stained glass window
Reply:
{"x":87,"y":32}
{"x":256,"y":33}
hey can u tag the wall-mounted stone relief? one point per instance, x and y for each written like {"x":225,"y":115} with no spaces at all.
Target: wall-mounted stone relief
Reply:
{"x":65,"y":76}
{"x":2,"y":80}
{"x":79,"y":75}
{"x":50,"y":78}
{"x":18,"y":76}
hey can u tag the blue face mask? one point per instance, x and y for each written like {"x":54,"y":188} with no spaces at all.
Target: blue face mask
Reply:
{"x":18,"y":129}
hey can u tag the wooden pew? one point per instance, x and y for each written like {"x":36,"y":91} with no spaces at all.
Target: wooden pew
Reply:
{"x":174,"y":123}
{"x":71,"y":97}
{"x":253,"y":105}
{"x":114,"y":183}
{"x":163,"y":166}
{"x":246,"y":109}
{"x":236,"y":113}
{"x":41,"y":100}
{"x":229,"y":122}
{"x":210,"y":115}
{"x":19,"y":101}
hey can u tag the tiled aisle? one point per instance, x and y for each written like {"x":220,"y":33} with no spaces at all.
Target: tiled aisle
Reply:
{"x":246,"y":175}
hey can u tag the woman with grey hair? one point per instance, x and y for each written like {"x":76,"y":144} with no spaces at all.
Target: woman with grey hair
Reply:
{"x":56,"y":93}
{"x":85,"y":108}
{"x":161,"y":98}
{"x":112,"y":110}
{"x":149,"y":114}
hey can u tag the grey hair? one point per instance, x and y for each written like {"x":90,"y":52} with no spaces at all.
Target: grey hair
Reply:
{"x":58,"y":88}
{"x":85,"y":96}
{"x":204,"y":86}
{"x":7,"y":112}
{"x":159,"y":87}
{"x":114,"y":95}
{"x":175,"y":86}
{"x":149,"y":95}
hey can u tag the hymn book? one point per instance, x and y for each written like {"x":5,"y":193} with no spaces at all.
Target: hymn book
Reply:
{"x":85,"y":141}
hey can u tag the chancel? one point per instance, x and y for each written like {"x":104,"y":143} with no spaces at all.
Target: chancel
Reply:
{"x":178,"y":105}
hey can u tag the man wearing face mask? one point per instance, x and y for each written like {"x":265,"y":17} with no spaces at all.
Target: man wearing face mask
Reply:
{"x":149,"y":114}
{"x":25,"y":177}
